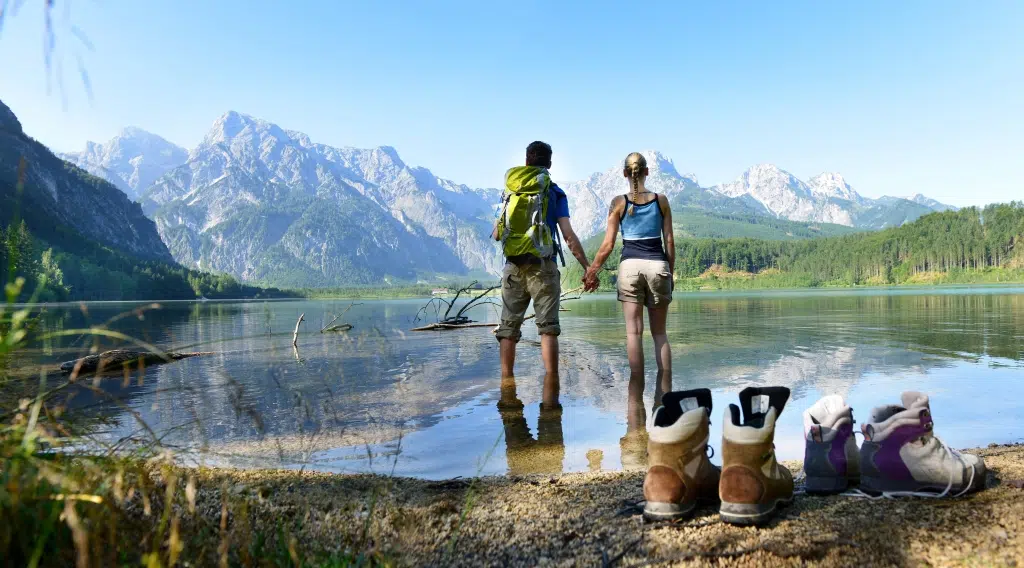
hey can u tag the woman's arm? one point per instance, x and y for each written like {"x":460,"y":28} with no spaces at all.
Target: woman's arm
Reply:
{"x":668,"y":234}
{"x":614,"y":214}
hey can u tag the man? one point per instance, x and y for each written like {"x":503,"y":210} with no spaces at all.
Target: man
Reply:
{"x":529,"y":276}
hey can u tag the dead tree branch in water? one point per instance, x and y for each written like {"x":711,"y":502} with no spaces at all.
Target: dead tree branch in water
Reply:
{"x":340,"y":327}
{"x":295,"y":336}
{"x":117,"y":359}
{"x":565,"y":297}
{"x":448,"y":321}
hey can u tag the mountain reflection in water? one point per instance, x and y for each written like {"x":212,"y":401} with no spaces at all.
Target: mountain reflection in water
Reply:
{"x":379,"y":398}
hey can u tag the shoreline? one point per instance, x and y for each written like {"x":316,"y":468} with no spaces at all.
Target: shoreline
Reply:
{"x":916,"y":286}
{"x":593,"y":518}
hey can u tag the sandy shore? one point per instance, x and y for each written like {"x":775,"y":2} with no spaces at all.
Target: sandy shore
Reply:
{"x":592,"y":519}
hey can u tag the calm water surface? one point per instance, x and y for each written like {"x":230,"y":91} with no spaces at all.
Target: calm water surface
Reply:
{"x":431,"y":404}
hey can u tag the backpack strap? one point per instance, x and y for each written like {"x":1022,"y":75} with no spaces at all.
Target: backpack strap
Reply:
{"x":556,"y":235}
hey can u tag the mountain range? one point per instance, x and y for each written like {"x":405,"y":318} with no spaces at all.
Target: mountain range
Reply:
{"x":268,"y":204}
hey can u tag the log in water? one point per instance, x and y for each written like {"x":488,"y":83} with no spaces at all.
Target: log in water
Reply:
{"x":117,"y":358}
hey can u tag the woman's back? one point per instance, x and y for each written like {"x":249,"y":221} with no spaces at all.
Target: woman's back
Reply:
{"x":641,"y":226}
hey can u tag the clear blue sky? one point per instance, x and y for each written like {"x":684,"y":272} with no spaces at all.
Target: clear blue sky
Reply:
{"x":899,"y":96}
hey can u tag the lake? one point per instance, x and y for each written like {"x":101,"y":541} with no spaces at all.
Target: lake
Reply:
{"x":432,"y":404}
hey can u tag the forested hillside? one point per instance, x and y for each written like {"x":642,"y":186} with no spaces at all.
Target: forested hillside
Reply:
{"x":68,"y":266}
{"x":949,"y":246}
{"x":694,"y":223}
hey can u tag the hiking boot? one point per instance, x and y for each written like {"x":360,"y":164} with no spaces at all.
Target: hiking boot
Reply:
{"x":900,"y":454}
{"x":753,"y":484}
{"x":679,"y":473}
{"x":831,"y":458}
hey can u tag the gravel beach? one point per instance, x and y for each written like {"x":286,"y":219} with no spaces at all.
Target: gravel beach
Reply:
{"x":592,"y":519}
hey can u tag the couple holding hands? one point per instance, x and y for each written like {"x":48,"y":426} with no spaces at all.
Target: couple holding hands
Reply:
{"x":534,"y":211}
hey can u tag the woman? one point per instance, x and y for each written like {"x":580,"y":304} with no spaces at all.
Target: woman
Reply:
{"x":647,"y":265}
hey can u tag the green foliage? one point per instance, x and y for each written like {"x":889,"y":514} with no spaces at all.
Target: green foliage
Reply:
{"x":698,"y":224}
{"x":70,"y":267}
{"x":968,"y":246}
{"x":946,"y":247}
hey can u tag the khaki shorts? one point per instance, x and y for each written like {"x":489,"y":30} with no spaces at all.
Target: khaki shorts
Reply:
{"x":646,"y":282}
{"x":520,"y":284}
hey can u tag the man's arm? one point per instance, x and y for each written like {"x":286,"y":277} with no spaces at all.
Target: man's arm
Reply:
{"x":573,"y":242}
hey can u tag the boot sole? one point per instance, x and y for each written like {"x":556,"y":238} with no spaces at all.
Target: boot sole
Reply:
{"x":747,"y":514}
{"x":828,"y":485}
{"x":669,"y":511}
{"x":878,"y":485}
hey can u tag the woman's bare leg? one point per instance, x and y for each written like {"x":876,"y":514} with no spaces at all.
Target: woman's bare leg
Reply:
{"x":661,"y":387}
{"x":662,"y":350}
{"x":636,"y":414}
{"x":634,"y":336}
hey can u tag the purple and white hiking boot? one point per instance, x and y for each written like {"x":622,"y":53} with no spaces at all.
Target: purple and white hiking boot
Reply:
{"x":900,"y":454}
{"x":831,"y":458}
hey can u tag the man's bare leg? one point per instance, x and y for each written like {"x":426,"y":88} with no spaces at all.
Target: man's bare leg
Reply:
{"x":549,"y":353}
{"x":508,"y":357}
{"x":551,"y":388}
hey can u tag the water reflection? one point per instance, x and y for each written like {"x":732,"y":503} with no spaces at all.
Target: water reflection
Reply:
{"x":350,"y":394}
{"x":633,"y":446}
{"x":524,"y":453}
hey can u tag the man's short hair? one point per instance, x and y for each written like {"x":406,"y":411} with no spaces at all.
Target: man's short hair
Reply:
{"x":538,"y":154}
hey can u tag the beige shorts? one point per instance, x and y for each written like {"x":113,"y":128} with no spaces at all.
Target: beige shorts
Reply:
{"x":647,"y":282}
{"x":520,"y":284}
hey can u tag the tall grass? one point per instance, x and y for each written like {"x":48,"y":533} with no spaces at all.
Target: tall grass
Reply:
{"x":69,"y":496}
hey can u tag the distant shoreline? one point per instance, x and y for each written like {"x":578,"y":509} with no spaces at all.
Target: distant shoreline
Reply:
{"x":600,"y":292}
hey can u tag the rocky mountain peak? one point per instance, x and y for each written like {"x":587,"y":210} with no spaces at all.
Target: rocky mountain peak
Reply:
{"x":8,"y":121}
{"x":132,"y":160}
{"x":832,"y":184}
{"x":233,"y":124}
{"x":766,"y":180}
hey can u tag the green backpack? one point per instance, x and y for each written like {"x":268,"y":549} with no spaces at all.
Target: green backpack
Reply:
{"x":523,"y":226}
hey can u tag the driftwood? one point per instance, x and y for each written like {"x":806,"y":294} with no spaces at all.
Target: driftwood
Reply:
{"x":295,"y":336}
{"x":531,"y":316}
{"x":116,"y":359}
{"x":459,"y":320}
{"x":440,"y":326}
{"x":341,"y":326}
{"x":565,"y":297}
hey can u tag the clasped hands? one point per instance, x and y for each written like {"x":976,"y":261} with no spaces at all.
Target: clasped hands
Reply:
{"x":590,"y":279}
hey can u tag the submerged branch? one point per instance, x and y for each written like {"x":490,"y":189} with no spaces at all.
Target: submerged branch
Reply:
{"x":116,"y":359}
{"x":459,"y":320}
{"x":295,"y":336}
{"x":342,"y":326}
{"x":442,"y":325}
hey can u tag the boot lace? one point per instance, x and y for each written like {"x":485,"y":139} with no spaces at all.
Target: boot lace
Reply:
{"x":956,"y":457}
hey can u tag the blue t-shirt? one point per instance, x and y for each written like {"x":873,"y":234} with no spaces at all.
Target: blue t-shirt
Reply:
{"x":558,"y":207}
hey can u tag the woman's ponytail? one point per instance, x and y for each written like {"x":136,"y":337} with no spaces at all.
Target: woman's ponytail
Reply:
{"x":635,"y":166}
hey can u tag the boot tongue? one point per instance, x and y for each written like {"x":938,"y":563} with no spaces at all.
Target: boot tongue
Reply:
{"x":675,"y":404}
{"x":756,"y":401}
{"x":914,"y":399}
{"x":883,"y":413}
{"x":689,"y":400}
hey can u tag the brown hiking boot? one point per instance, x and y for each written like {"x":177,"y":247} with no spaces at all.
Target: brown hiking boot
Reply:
{"x":679,"y":473}
{"x":753,"y":483}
